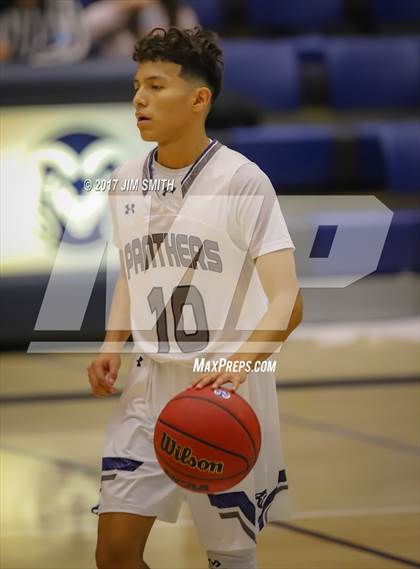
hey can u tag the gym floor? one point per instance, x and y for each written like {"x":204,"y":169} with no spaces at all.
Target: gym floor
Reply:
{"x":349,"y":398}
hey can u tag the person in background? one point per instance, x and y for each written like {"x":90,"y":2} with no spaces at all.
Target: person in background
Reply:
{"x":42,"y":32}
{"x":115,"y":25}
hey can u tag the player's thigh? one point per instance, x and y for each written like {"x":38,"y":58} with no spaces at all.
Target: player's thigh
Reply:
{"x":120,"y":532}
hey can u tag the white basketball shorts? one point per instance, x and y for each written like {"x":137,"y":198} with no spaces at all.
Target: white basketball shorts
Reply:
{"x":133,"y":482}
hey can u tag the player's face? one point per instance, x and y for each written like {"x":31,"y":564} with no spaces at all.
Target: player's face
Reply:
{"x":163,"y":101}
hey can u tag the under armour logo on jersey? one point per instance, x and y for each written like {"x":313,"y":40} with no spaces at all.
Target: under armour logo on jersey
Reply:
{"x":139,"y":360}
{"x":129,"y":208}
{"x":214,"y":563}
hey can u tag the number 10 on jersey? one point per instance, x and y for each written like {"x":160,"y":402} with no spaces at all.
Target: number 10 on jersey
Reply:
{"x":183,"y":295}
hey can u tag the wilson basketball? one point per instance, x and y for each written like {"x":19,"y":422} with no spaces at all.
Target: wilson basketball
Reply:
{"x":207,"y":440}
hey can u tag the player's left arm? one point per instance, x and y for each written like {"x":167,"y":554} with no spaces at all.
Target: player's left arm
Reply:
{"x":277,"y":274}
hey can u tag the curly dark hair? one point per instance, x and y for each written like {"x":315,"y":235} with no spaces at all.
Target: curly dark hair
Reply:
{"x":196,"y":50}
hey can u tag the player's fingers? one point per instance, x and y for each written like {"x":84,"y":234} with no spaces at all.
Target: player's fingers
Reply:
{"x":206,"y":379}
{"x":226,"y":378}
{"x":113,"y":371}
{"x":97,"y":389}
{"x":109,"y":386}
{"x":232,"y":378}
{"x":109,"y":380}
{"x":92,"y":378}
{"x":100,"y":368}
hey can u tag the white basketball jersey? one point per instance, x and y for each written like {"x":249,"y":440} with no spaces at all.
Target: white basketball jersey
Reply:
{"x":188,"y":239}
{"x":189,"y":249}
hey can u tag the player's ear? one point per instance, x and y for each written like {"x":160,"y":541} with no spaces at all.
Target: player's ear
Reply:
{"x":202,"y":99}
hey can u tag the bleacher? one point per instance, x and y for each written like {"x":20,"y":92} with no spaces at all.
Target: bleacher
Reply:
{"x":306,"y":16}
{"x":337,"y":86}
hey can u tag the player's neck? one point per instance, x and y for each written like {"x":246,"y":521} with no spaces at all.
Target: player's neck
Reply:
{"x":182,"y":151}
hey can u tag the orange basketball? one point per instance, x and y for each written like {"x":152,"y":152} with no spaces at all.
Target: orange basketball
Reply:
{"x":207,"y":440}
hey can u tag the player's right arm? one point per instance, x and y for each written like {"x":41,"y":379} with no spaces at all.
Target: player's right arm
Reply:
{"x":103,"y":370}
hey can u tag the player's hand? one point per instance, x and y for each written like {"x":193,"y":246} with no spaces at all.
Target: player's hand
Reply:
{"x":217,"y":379}
{"x":103,"y":373}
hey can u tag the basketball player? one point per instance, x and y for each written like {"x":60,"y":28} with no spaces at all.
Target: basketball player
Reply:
{"x":207,"y":270}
